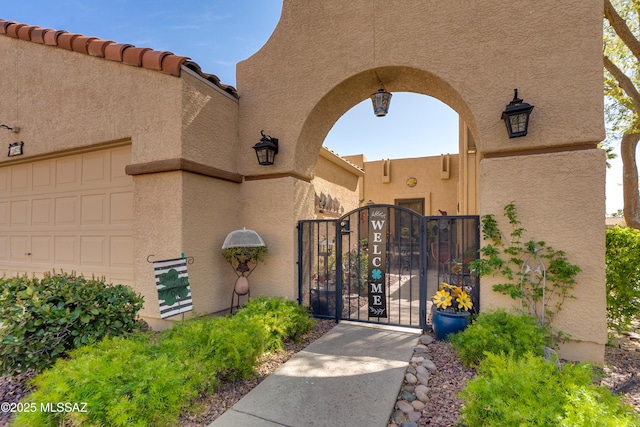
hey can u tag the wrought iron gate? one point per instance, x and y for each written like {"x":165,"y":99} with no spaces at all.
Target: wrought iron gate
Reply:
{"x":384,"y":263}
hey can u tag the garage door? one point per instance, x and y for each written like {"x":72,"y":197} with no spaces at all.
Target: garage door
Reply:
{"x":71,"y":213}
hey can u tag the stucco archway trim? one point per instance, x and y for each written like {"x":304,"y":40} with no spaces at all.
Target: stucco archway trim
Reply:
{"x":351,"y":91}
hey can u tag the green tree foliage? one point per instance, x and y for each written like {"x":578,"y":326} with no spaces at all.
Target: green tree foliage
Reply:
{"x":623,"y":276}
{"x":42,"y":319}
{"x":622,"y":98}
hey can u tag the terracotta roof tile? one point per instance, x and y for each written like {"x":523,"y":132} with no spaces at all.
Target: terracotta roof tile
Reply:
{"x":81,"y":44}
{"x":97,"y":47}
{"x":133,"y":55}
{"x":65,"y":40}
{"x":128,"y":54}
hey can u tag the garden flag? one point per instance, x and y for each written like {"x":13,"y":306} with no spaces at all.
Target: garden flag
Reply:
{"x":172,"y":283}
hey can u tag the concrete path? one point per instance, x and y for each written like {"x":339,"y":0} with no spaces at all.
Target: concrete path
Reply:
{"x":349,"y":377}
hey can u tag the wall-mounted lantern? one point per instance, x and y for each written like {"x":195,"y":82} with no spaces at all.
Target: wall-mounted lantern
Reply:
{"x":381,"y":100}
{"x":266,"y":149}
{"x":516,"y":116}
{"x":16,"y":149}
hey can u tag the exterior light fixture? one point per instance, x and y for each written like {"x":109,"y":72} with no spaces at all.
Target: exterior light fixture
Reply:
{"x":14,"y":129}
{"x":16,"y":149}
{"x":266,"y":149}
{"x":516,"y":116}
{"x":381,"y":100}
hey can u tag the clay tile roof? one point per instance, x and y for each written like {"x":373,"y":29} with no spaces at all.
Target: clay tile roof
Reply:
{"x":165,"y":62}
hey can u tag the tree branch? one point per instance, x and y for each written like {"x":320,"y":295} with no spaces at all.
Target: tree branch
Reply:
{"x":621,"y":28}
{"x":624,"y":82}
{"x":630,"y":191}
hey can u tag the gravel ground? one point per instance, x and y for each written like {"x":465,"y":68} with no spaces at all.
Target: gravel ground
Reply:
{"x":622,"y":366}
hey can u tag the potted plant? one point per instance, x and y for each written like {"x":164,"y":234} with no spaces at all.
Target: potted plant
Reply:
{"x":451,"y":310}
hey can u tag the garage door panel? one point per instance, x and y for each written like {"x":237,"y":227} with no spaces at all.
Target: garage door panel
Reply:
{"x":42,"y":212}
{"x":66,"y":211}
{"x":43,"y":176}
{"x":4,"y":248}
{"x":93,"y":250}
{"x":120,"y":158}
{"x":122,"y":208}
{"x":19,"y":213}
{"x":95,"y":169}
{"x":68,"y":172}
{"x":64,"y":249}
{"x":121,"y":251}
{"x":69,"y":213}
{"x":4,"y":214}
{"x":19,"y":248}
{"x":42,"y":249}
{"x":20,"y":179}
{"x":94,"y":209}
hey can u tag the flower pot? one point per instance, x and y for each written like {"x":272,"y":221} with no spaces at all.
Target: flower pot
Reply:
{"x":445,"y":323}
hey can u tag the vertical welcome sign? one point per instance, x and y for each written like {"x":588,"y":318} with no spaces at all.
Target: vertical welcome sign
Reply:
{"x":378,"y":226}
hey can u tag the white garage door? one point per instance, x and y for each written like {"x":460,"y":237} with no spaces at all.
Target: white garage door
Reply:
{"x":71,"y":213}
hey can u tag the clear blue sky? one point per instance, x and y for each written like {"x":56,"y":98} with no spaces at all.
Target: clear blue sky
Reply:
{"x":217,"y":34}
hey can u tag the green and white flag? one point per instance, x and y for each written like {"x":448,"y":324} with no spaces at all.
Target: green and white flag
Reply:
{"x":172,"y":283}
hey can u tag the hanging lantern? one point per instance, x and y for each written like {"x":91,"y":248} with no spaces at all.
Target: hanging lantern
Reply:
{"x":266,"y":149}
{"x":516,"y":116}
{"x":381,"y":100}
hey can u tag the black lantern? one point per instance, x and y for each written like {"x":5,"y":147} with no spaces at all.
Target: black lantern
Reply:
{"x":381,"y":100}
{"x":516,"y":116}
{"x":266,"y":149}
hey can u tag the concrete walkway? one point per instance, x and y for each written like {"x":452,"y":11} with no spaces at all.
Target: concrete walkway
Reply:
{"x":351,"y":376}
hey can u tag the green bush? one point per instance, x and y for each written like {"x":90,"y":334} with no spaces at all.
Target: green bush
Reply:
{"x":124,"y":382}
{"x":147,"y":379}
{"x":281,"y":318}
{"x":227,"y":346}
{"x":499,"y":332}
{"x":623,"y":277}
{"x":44,"y":318}
{"x":528,"y":391}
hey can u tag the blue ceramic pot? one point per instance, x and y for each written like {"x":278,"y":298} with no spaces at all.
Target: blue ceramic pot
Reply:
{"x":448,"y":323}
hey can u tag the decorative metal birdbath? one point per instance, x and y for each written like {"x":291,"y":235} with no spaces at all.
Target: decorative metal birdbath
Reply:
{"x":243,"y":249}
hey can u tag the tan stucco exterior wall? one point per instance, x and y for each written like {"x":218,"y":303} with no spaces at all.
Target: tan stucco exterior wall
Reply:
{"x":338,"y":179}
{"x":471,"y":57}
{"x":436,"y":182}
{"x":568,"y":216}
{"x":162,"y":117}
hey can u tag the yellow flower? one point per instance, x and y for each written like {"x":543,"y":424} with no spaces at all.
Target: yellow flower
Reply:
{"x":464,"y":301}
{"x":445,"y":285}
{"x":456,"y":291}
{"x":442,"y":299}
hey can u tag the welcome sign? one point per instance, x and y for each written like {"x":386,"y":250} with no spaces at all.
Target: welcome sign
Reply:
{"x":378,"y":226}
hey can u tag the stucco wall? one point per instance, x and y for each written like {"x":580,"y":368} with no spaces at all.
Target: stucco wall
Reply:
{"x":66,"y":100}
{"x":437,"y":191}
{"x":568,"y":216}
{"x":325,"y":57}
{"x":336,"y":178}
{"x":470,"y":56}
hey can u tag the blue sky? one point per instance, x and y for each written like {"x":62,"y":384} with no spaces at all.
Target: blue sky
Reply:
{"x":217,"y":34}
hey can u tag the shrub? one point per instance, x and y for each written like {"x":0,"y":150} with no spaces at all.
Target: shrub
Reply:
{"x":623,"y":277}
{"x":44,"y":318}
{"x":541,"y":277}
{"x":124,"y":382}
{"x":529,"y":391}
{"x":499,"y":332}
{"x":226,"y":346}
{"x":147,"y":379}
{"x":281,"y":318}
